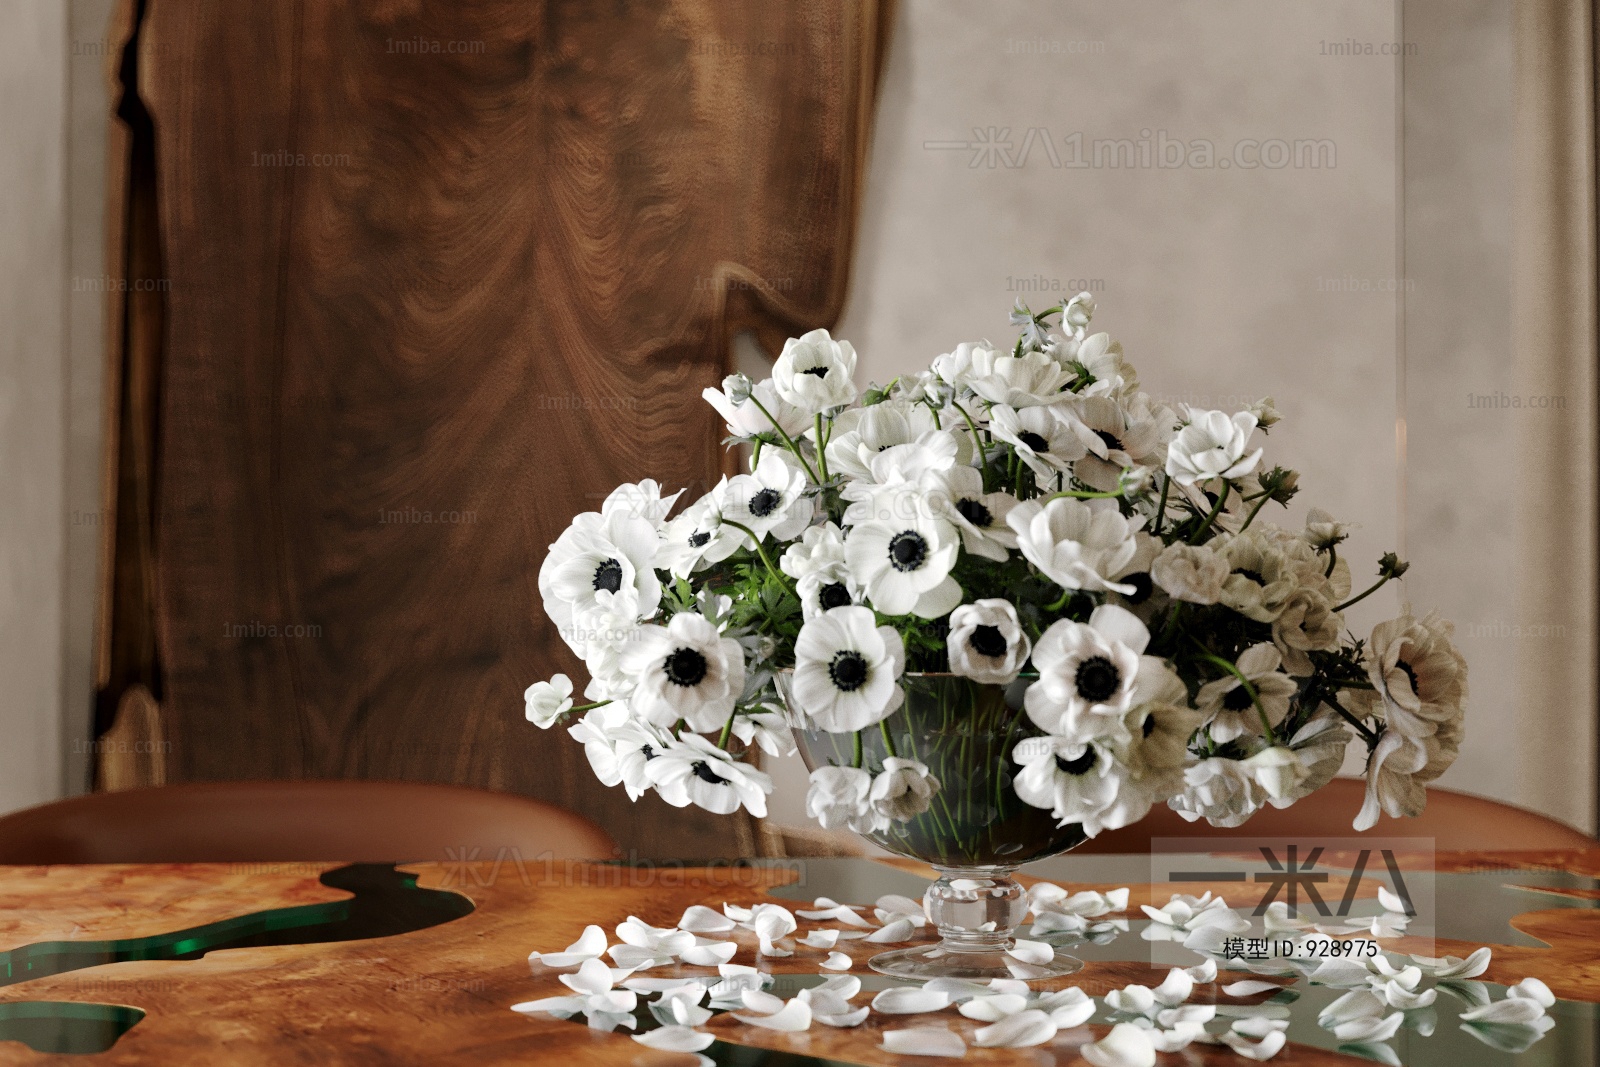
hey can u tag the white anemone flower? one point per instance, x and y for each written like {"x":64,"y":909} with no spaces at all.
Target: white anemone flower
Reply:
{"x":859,"y":434}
{"x":641,"y":500}
{"x":1398,"y":771}
{"x":692,"y":770}
{"x":1102,"y":358}
{"x":840,"y":798}
{"x":696,"y":538}
{"x":766,"y":729}
{"x":1043,"y":438}
{"x":1221,"y":791}
{"x":904,"y":564}
{"x":686,"y":670}
{"x":618,"y":746}
{"x":769,"y":501}
{"x":1227,"y":702}
{"x":819,"y":547}
{"x":986,"y":642}
{"x":1029,"y":380}
{"x":959,"y":366}
{"x":598,"y":558}
{"x":1080,"y":783}
{"x":1076,"y":544}
{"x":1419,"y":674}
{"x":847,"y":670}
{"x":903,"y":789}
{"x":1261,"y":576}
{"x":814,"y":372}
{"x":1190,"y":572}
{"x":1213,"y":445}
{"x":1118,"y":437}
{"x":1091,"y":674}
{"x":826,"y":588}
{"x":980,"y":516}
{"x":546,"y":702}
{"x":903,"y":480}
{"x":746,"y":419}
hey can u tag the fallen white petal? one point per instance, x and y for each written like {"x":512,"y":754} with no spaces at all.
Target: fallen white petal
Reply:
{"x":900,"y":930}
{"x":1510,"y":1010}
{"x":1391,"y":901}
{"x":795,"y":1016}
{"x":1204,"y":973}
{"x":846,"y":985}
{"x":1125,"y":1046}
{"x":637,"y":958}
{"x":1405,"y":999}
{"x":1249,"y":988}
{"x":1258,"y":1026}
{"x":771,"y":922}
{"x":843,"y":914}
{"x":1025,"y":1028}
{"x":1054,"y":922}
{"x":772,"y":948}
{"x":709,"y":955}
{"x":737,"y":912}
{"x":1135,"y":999}
{"x":838,"y":961}
{"x":824,"y":1001}
{"x":1188,"y":1014}
{"x":1264,"y":1049}
{"x":845,"y":1020}
{"x":1533,"y":989}
{"x":663,"y":985}
{"x":592,"y":943}
{"x":699,"y":919}
{"x":1356,"y":1004}
{"x":756,"y":1000}
{"x":1340,"y":973}
{"x":1176,"y":988}
{"x":907,"y":1000}
{"x":675,"y":1039}
{"x":820,"y":939}
{"x":612,"y":1002}
{"x":1068,"y":1007}
{"x":993,"y":1009}
{"x":566,"y":1004}
{"x":1010,"y":985}
{"x":925,"y":1041}
{"x":1177,"y":1038}
{"x":592,"y":977}
{"x":1035,"y":952}
{"x":958,"y":989}
{"x":898,"y":905}
{"x":1451,"y":967}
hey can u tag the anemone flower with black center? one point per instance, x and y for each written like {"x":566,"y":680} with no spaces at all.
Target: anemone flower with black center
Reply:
{"x":904,"y":563}
{"x":696,"y":537}
{"x":1090,"y":674}
{"x":600,"y":564}
{"x":847,"y":670}
{"x":825,"y":588}
{"x":1419,"y":676}
{"x":1227,"y":704}
{"x":1084,"y":783}
{"x":619,"y":746}
{"x":986,"y":642}
{"x":980,"y":516}
{"x":1044,"y":438}
{"x":692,"y":770}
{"x":815,"y":373}
{"x":1117,"y":436}
{"x":685,"y":670}
{"x":770,"y":501}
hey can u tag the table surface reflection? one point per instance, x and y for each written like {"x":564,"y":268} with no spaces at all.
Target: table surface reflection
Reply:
{"x":278,"y":963}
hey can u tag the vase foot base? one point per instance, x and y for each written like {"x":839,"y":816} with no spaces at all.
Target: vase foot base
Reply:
{"x":936,"y":961}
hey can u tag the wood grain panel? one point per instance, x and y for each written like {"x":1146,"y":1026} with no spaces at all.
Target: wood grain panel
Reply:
{"x":442,"y":275}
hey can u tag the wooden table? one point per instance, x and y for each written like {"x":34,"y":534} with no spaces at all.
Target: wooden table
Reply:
{"x":441,"y":994}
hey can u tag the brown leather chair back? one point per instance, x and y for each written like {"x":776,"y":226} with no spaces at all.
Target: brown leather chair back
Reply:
{"x":1456,"y":821}
{"x":309,"y":821}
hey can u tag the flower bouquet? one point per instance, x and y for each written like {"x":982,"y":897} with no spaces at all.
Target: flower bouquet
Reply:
{"x":1000,"y":606}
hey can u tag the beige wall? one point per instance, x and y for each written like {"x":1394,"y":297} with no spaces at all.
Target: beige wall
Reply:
{"x":1366,"y":297}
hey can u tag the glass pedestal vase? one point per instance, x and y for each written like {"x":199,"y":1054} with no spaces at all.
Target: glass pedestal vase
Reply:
{"x":975,"y":833}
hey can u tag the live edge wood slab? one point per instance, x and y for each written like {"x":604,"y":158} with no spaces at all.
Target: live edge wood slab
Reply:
{"x":442,"y":995}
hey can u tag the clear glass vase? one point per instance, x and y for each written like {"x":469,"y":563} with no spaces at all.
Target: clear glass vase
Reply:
{"x":975,"y":833}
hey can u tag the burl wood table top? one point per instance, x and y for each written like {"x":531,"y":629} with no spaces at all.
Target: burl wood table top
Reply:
{"x":439,"y":991}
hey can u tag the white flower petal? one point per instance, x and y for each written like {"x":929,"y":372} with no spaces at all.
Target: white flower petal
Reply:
{"x":1264,"y":1049}
{"x":1510,"y":1010}
{"x":1068,"y":1007}
{"x":549,"y":1004}
{"x":1533,"y":989}
{"x":1177,"y":1038}
{"x":1188,"y":1014}
{"x":1371,"y":1028}
{"x":795,"y":1016}
{"x":675,"y":1039}
{"x":958,"y":989}
{"x":1176,"y":988}
{"x":925,"y":1041}
{"x":592,"y":977}
{"x":756,"y":1000}
{"x":820,"y":939}
{"x":1134,"y":999}
{"x":1205,"y":973}
{"x":907,"y":1000}
{"x":1025,"y":1028}
{"x":1452,"y":967}
{"x":699,"y":919}
{"x":845,"y":985}
{"x":635,"y":958}
{"x":838,"y":961}
{"x":1340,"y":973}
{"x":901,"y":929}
{"x":845,"y":1020}
{"x":1125,"y":1046}
{"x":1035,"y":952}
{"x":709,"y":955}
{"x":1258,"y":1026}
{"x":1249,"y":988}
{"x":991,"y":1009}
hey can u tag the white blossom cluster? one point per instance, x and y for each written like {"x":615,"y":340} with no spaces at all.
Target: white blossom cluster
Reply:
{"x":1011,"y":513}
{"x":1146,"y":1019}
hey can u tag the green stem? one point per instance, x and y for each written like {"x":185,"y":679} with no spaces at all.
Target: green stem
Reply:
{"x":822,"y":456}
{"x":888,"y":739}
{"x":1333,"y":560}
{"x":1066,"y":595}
{"x":1379,"y":584}
{"x":1253,"y":511}
{"x":587,"y":707}
{"x":1077,"y":494}
{"x":727,"y":729}
{"x":755,"y":453}
{"x":856,"y":759}
{"x":783,"y":579}
{"x":787,"y":440}
{"x":1215,"y":511}
{"x":1244,"y":682}
{"x":983,"y":466}
{"x":1161,"y":510}
{"x":1366,"y":734}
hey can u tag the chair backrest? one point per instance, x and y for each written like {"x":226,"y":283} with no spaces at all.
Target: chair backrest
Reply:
{"x":309,"y":821}
{"x":1456,"y":821}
